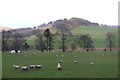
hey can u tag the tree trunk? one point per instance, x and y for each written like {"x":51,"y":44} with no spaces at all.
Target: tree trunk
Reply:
{"x":110,"y":46}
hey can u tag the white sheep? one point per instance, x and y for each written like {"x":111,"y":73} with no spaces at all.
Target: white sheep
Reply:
{"x":61,"y":61}
{"x":13,"y":51}
{"x":31,"y":66}
{"x":75,"y":61}
{"x":16,"y":66}
{"x":25,"y":68}
{"x":92,"y":63}
{"x":59,"y":66}
{"x":19,"y":51}
{"x":33,"y":53}
{"x":38,"y":66}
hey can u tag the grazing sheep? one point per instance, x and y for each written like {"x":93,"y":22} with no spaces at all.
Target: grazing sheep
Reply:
{"x":62,"y":55}
{"x":25,"y":68}
{"x":38,"y":66}
{"x":19,"y":51}
{"x":32,"y":66}
{"x":92,"y":63}
{"x":13,"y":51}
{"x":16,"y":66}
{"x":59,"y":66}
{"x":75,"y":61}
{"x":75,"y":56}
{"x":33,"y":53}
{"x":61,"y":61}
{"x":103,"y":54}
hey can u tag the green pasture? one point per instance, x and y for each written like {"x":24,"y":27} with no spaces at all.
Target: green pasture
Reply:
{"x":105,"y":66}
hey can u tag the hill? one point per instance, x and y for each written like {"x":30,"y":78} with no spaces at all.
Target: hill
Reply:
{"x":77,"y":26}
{"x":53,"y":25}
{"x":74,"y":22}
{"x":98,"y":35}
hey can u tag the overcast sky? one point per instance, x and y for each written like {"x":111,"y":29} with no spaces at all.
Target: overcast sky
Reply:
{"x":29,"y":13}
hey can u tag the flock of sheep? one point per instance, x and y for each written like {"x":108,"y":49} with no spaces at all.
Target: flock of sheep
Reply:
{"x":27,"y":67}
{"x":13,"y":51}
{"x":38,"y":66}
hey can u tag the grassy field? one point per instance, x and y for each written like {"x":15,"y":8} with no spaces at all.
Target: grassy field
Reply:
{"x":106,"y":66}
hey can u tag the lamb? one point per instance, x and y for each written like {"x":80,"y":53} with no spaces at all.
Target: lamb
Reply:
{"x":59,"y":66}
{"x":38,"y":66}
{"x":16,"y":66}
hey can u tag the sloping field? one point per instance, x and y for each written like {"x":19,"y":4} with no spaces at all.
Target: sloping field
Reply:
{"x":98,"y":34}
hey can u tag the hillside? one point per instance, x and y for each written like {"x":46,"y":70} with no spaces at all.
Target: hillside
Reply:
{"x":69,"y":24}
{"x":98,"y":35}
{"x":77,"y":26}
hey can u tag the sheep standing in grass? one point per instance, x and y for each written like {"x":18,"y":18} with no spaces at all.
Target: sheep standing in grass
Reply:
{"x":25,"y":68}
{"x":75,"y":61}
{"x":61,"y":61}
{"x":31,"y":66}
{"x":38,"y":66}
{"x":59,"y":66}
{"x":13,"y":51}
{"x":91,"y":62}
{"x":16,"y":66}
{"x":33,"y":53}
{"x":19,"y":51}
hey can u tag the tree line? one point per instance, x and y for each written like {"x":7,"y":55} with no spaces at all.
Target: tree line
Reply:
{"x":45,"y":41}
